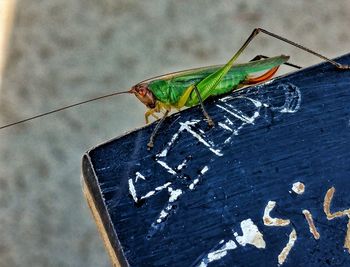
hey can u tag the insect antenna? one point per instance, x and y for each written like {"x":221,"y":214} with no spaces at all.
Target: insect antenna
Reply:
{"x":62,"y":108}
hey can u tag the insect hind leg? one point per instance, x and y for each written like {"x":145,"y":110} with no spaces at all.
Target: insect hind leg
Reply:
{"x":259,"y":57}
{"x":256,"y":31}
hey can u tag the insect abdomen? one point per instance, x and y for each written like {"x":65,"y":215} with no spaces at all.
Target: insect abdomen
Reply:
{"x":227,"y":84}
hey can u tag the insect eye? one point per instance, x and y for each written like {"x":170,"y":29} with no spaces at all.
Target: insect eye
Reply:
{"x":142,"y":92}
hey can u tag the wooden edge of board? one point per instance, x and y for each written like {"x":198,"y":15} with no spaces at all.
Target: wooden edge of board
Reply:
{"x":93,"y":195}
{"x":101,"y":229}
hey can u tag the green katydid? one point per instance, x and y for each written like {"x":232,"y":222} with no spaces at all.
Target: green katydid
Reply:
{"x":191,"y":87}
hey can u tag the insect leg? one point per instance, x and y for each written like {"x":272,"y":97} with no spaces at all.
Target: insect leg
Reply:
{"x":209,"y":83}
{"x":257,"y":30}
{"x":151,"y":139}
{"x":205,"y":113}
{"x":151,"y":112}
{"x":258,"y":57}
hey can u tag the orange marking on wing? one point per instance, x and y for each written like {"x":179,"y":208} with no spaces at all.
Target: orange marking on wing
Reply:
{"x":263,"y":77}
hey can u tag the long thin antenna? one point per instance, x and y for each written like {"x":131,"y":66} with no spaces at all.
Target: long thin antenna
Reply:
{"x":63,"y":108}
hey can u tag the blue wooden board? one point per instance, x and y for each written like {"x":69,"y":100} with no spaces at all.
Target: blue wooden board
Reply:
{"x":198,"y":198}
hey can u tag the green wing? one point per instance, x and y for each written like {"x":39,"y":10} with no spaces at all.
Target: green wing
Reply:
{"x":245,"y":69}
{"x":169,"y":88}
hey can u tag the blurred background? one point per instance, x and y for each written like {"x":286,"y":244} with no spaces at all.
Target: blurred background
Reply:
{"x":58,"y":52}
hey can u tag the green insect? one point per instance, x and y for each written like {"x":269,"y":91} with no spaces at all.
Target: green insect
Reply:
{"x":191,"y":87}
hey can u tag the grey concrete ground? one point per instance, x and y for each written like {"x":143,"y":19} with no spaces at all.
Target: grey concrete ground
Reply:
{"x":64,"y":51}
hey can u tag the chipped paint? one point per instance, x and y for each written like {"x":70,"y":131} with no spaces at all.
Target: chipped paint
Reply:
{"x":236,"y":113}
{"x":224,"y":126}
{"x":219,"y":253}
{"x":139,"y":176}
{"x":251,"y":235}
{"x":284,"y":253}
{"x":104,"y":168}
{"x":226,"y":98}
{"x":327,"y":203}
{"x":183,"y":126}
{"x":157,"y":189}
{"x":330,"y":216}
{"x":227,"y":140}
{"x":186,"y":126}
{"x":292,"y":98}
{"x":132,"y":190}
{"x":193,"y":184}
{"x":239,"y":115}
{"x":256,"y":103}
{"x":268,"y":220}
{"x":200,"y":139}
{"x":204,"y":170}
{"x":196,"y":181}
{"x":182,"y":164}
{"x":298,"y":188}
{"x":166,"y":166}
{"x":228,"y":121}
{"x":312,"y":226}
{"x":174,"y":195}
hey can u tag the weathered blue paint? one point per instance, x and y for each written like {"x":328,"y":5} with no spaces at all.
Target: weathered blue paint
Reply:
{"x":296,"y":128}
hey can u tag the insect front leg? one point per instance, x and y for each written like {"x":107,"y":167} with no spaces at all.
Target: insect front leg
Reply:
{"x":151,"y":139}
{"x":205,"y":113}
{"x":151,"y":112}
{"x":167,"y":110}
